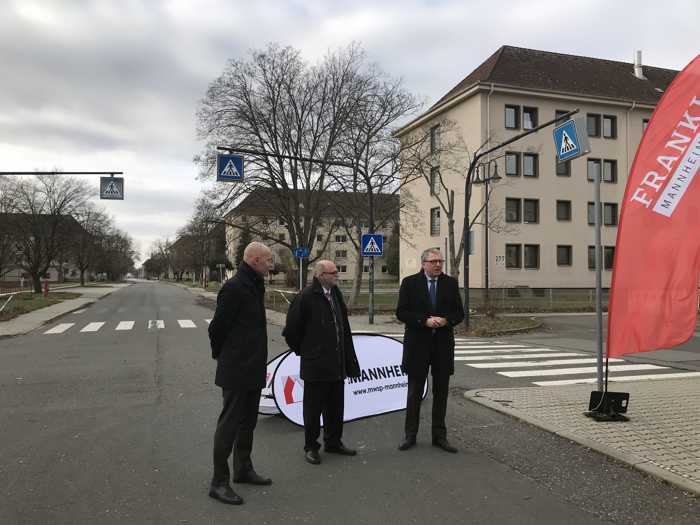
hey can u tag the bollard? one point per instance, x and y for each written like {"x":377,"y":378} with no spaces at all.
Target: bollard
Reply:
{"x":46,"y":287}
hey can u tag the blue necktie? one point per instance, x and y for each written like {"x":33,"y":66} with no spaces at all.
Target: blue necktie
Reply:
{"x":433,"y":293}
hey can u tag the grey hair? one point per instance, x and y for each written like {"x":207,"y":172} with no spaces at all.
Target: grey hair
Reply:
{"x":321,"y":266}
{"x":424,"y":255}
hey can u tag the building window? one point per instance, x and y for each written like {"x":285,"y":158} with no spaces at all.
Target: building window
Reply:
{"x":591,"y":257}
{"x":593,"y":122}
{"x":564,"y":255}
{"x":591,"y":213}
{"x":593,"y":169}
{"x":531,"y":210}
{"x":513,"y":256}
{"x":365,"y":268}
{"x":319,"y":237}
{"x":281,"y":236}
{"x":513,"y":164}
{"x":434,"y":141}
{"x":608,"y":257}
{"x":564,"y":169}
{"x":434,"y":221}
{"x":529,"y":118}
{"x":512,"y":117}
{"x":513,"y":210}
{"x":560,"y":113}
{"x":610,"y":213}
{"x":341,"y":238}
{"x":434,"y":180}
{"x":610,"y":171}
{"x":609,"y":127}
{"x":563,"y":210}
{"x":385,"y":268}
{"x":530,"y":168}
{"x":532,"y":256}
{"x":341,"y":254}
{"x":645,"y":123}
{"x":342,"y":268}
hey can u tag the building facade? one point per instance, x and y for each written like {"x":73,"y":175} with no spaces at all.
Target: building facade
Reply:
{"x":540,"y":212}
{"x":261,"y":215}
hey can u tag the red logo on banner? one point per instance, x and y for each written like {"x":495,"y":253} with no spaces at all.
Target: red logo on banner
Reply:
{"x":654,"y":292}
{"x":293,"y":390}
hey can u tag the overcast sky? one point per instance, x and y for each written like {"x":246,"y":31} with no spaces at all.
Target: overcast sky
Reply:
{"x":114,"y":85}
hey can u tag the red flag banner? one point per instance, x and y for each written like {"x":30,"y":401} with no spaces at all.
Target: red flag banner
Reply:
{"x":654,"y":292}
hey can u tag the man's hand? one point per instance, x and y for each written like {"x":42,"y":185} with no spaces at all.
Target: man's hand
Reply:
{"x":435,"y":322}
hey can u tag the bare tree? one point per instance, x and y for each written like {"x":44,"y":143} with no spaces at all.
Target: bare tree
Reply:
{"x":42,"y":219}
{"x":276,"y":103}
{"x":87,"y":245}
{"x":8,"y":251}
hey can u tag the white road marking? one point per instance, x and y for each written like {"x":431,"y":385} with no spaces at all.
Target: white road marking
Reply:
{"x":59,"y":328}
{"x":476,"y":347}
{"x":208,"y":321}
{"x":92,"y":327}
{"x":522,"y":356}
{"x":528,"y":364}
{"x":80,"y":311}
{"x":125,"y":325}
{"x":571,"y":371}
{"x":156,"y":324}
{"x":645,"y":377}
{"x":508,"y":350}
{"x":186,"y":323}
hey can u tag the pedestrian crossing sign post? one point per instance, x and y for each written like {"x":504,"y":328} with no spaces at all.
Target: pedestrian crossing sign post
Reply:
{"x":372,"y":245}
{"x":112,"y":188}
{"x":571,"y":139}
{"x":229,"y":168}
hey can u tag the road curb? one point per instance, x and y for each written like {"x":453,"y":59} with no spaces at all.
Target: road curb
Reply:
{"x":624,"y":457}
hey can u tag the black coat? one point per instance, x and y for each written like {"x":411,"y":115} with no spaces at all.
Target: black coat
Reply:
{"x":423,"y":346}
{"x":238,"y":332}
{"x":311,"y":333}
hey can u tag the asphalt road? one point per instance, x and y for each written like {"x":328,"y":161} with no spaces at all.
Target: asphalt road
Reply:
{"x":115,"y":426}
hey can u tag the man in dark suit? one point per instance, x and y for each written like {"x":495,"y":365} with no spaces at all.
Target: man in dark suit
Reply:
{"x":238,"y":337}
{"x":318,"y":330}
{"x":430,"y":306}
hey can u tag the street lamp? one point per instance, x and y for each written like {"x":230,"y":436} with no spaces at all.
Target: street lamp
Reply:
{"x":478,"y":173}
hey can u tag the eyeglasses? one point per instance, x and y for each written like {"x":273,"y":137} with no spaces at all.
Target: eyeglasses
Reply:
{"x":434,"y":261}
{"x":332,"y":273}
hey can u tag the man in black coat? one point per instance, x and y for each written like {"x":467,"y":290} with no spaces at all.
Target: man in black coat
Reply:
{"x":318,"y":330}
{"x":238,"y":337}
{"x":430,"y":306}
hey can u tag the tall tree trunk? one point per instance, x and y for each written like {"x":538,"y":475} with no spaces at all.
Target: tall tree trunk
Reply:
{"x":82,"y":277}
{"x":36,"y":281}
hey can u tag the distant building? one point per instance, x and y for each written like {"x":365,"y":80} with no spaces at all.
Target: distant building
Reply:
{"x":260,"y":211}
{"x":546,"y":207}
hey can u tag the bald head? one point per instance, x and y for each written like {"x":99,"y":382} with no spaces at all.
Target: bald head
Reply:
{"x":258,"y":257}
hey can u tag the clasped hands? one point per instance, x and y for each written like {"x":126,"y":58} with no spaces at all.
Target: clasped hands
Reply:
{"x":435,"y":322}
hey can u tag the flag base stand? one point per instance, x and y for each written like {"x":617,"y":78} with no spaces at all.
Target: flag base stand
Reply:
{"x":608,"y":406}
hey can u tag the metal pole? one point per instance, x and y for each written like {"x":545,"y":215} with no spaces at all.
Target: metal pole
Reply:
{"x":371,"y":290}
{"x":301,"y":269}
{"x":598,"y":282}
{"x":446,"y":258}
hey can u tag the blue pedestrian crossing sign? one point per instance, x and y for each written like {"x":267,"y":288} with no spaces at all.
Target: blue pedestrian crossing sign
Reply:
{"x":229,"y":168}
{"x":571,"y":140}
{"x":372,"y":245}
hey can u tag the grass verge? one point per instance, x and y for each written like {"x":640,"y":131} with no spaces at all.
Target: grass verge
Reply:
{"x":27,"y":302}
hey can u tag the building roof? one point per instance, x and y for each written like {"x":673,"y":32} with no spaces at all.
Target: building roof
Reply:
{"x":266,"y":202}
{"x":567,"y":74}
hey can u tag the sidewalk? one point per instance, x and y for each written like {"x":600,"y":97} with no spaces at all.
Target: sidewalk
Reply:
{"x":662,"y":436}
{"x":30,"y":321}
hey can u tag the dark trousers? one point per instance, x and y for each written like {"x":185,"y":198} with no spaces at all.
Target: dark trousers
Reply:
{"x":234,"y":431}
{"x":327,"y":398}
{"x":441,"y":386}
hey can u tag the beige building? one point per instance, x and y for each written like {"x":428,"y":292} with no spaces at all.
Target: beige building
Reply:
{"x":542,"y":234}
{"x":260,"y":211}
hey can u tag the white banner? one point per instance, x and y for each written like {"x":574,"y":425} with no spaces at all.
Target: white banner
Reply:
{"x":268,"y":407}
{"x":380,"y":389}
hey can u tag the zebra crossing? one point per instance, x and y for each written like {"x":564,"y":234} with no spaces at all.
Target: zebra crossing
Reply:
{"x":125,"y":326}
{"x":548,"y":366}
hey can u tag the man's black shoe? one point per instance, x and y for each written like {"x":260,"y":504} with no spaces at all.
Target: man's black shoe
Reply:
{"x":407,"y":443}
{"x":225,"y":494}
{"x":444,"y":445}
{"x":341,"y":449}
{"x":252,"y":478}
{"x":313,"y":457}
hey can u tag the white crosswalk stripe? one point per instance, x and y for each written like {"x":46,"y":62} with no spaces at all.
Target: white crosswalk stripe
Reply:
{"x":59,"y":328}
{"x":613,"y":379}
{"x":520,"y":356}
{"x":501,"y":352}
{"x":529,"y":364}
{"x":576,"y":371}
{"x":158,"y":324}
{"x":186,"y":323}
{"x":125,"y":325}
{"x":92,"y":327}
